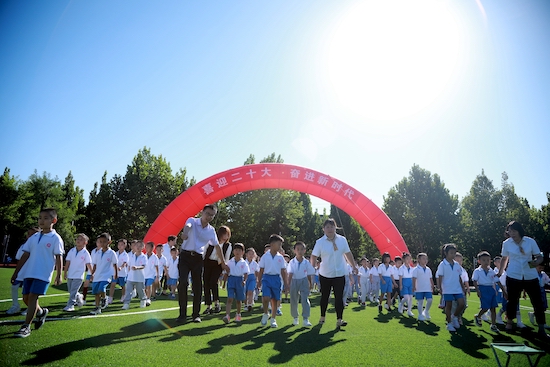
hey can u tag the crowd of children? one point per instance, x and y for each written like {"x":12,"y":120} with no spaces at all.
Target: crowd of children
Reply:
{"x":140,"y":273}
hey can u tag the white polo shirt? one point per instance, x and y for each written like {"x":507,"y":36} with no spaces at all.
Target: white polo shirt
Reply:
{"x":406,"y":272}
{"x":163,"y":261}
{"x":150,"y":268}
{"x":385,"y":271}
{"x":199,"y":236}
{"x":42,"y":249}
{"x":483,"y":277}
{"x":374,"y":271}
{"x":105,"y":261}
{"x":253,"y":267}
{"x":237,"y":268}
{"x":364,"y":273}
{"x":451,"y":282}
{"x":136,"y":260}
{"x":173,"y":271}
{"x":78,"y":261}
{"x":423,"y":277}
{"x":333,"y":264}
{"x":518,"y":268}
{"x":272,"y":264}
{"x":300,"y":270}
{"x":122,"y":258}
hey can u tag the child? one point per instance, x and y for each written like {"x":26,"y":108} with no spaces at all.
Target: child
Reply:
{"x":484,"y":282}
{"x":104,"y":262}
{"x":396,"y":294}
{"x":386,"y":281}
{"x":238,"y":272}
{"x":274,"y":266}
{"x":15,"y":308}
{"x":374,"y":278}
{"x":136,"y":278}
{"x":173,"y":272}
{"x":300,"y":273}
{"x":77,"y":261}
{"x":253,"y":269}
{"x":466,"y":281}
{"x":405,"y":284}
{"x":348,"y":284}
{"x":451,"y":285}
{"x":122,"y":264}
{"x":423,"y":286}
{"x":166,"y":250}
{"x":41,"y":253}
{"x":161,"y":268}
{"x":364,"y":280}
{"x":543,"y":280}
{"x":89,"y":274}
{"x":317,"y":281}
{"x":151,"y":271}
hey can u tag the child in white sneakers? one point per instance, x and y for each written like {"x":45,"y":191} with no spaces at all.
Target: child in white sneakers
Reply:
{"x":136,"y":278}
{"x":251,"y":283}
{"x":300,"y":274}
{"x":104,"y":262}
{"x":364,"y":281}
{"x":173,"y":272}
{"x":122,"y":266}
{"x":423,"y":286}
{"x":237,"y":274}
{"x":77,"y":261}
{"x":450,"y":283}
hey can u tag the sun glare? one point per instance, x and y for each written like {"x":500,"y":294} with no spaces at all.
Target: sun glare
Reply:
{"x":390,"y":59}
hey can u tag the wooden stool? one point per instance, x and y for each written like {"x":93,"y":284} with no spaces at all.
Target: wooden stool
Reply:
{"x":514,"y":348}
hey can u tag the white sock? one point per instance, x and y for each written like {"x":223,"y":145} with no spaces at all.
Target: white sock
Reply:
{"x":428,"y":304}
{"x":15,"y":294}
{"x":518,"y":316}
{"x":409,"y":302}
{"x":421,"y":306}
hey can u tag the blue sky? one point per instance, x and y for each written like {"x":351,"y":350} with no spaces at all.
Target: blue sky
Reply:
{"x":360,"y":90}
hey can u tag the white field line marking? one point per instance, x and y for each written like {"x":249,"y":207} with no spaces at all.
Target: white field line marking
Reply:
{"x":47,"y":295}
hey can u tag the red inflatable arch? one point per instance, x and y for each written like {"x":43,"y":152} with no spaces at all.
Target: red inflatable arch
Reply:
{"x":279,"y":176}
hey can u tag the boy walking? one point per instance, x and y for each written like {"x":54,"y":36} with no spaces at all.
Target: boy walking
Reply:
{"x":41,"y":253}
{"x":104,"y":263}
{"x":77,"y":261}
{"x":300,"y":273}
{"x":136,"y":278}
{"x":238,"y":273}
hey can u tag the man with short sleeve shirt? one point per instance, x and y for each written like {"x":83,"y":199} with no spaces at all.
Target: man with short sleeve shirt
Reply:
{"x":196,"y":234}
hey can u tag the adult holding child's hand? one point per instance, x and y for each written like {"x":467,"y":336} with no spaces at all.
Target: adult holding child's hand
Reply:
{"x":522,"y":254}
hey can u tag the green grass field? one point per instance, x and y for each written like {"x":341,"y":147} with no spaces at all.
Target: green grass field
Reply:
{"x":151,"y":337}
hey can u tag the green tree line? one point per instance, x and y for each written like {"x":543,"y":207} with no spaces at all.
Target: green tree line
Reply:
{"x":422,"y":208}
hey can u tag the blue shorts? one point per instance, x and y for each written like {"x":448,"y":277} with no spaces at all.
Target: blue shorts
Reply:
{"x":488,"y":297}
{"x":316,"y":279}
{"x":422,"y":295}
{"x":452,"y":297}
{"x":172,"y":281}
{"x":235,"y":288}
{"x":88,"y":276}
{"x":149,"y":281}
{"x":120,"y":281}
{"x":35,"y":286}
{"x":271,"y":286}
{"x":407,"y":286}
{"x":250,"y":283}
{"x":386,"y":288}
{"x":99,"y":287}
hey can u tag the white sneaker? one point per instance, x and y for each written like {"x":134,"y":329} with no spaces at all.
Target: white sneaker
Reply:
{"x":386,"y":306}
{"x":126,"y":306}
{"x":521,"y":325}
{"x":148,"y":302}
{"x":142,"y":303}
{"x":68,"y":308}
{"x":532,"y":318}
{"x":306,"y":323}
{"x":24,"y":313}
{"x":410,"y":313}
{"x":499,"y":319}
{"x":79,"y":300}
{"x":455,"y":322}
{"x":484,"y":317}
{"x":13,"y":310}
{"x":96,"y":311}
{"x":427,"y":315}
{"x":265,"y":317}
{"x":400,"y":307}
{"x":295,"y":322}
{"x":450,"y":327}
{"x":273,"y":323}
{"x":134,"y":293}
{"x":109,"y":300}
{"x":421,"y":317}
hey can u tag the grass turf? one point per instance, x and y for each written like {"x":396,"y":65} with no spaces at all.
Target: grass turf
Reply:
{"x":152,"y":337}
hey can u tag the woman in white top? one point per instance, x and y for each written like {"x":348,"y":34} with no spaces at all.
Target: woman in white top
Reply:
{"x":332,"y":248}
{"x":522,"y":255}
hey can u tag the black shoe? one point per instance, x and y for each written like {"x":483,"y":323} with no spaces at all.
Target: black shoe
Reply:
{"x":542,"y":335}
{"x":217,"y":309}
{"x":41,"y":319}
{"x":208,"y":311}
{"x":181,"y":320}
{"x":103,"y":303}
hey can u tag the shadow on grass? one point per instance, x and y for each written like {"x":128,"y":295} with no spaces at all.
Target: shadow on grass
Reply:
{"x":531,"y":338}
{"x":469,"y":342}
{"x":308,"y":341}
{"x":132,"y":333}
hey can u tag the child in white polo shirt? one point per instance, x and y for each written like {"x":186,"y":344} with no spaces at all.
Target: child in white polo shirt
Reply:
{"x":173,"y":272}
{"x":122,"y":266}
{"x":237,"y":274}
{"x":423,"y":286}
{"x":105,"y":262}
{"x":450,"y":283}
{"x":162,"y":270}
{"x":300,"y":273}
{"x":374,"y":278}
{"x":364,"y":280}
{"x":136,"y":278}
{"x":485,"y":281}
{"x":151,"y":271}
{"x":272,"y":270}
{"x":41,"y":254}
{"x":253,"y":269}
{"x":77,"y":261}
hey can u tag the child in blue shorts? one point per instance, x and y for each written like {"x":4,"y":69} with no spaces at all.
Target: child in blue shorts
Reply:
{"x":237,"y":275}
{"x":423,"y":286}
{"x":41,"y":253}
{"x":485,"y":280}
{"x":387,"y":283}
{"x":450,"y":283}
{"x":102,"y":273}
{"x":250,"y":285}
{"x":272,"y":269}
{"x":405,"y":284}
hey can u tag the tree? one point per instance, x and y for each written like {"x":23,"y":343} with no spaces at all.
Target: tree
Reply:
{"x":424,"y":211}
